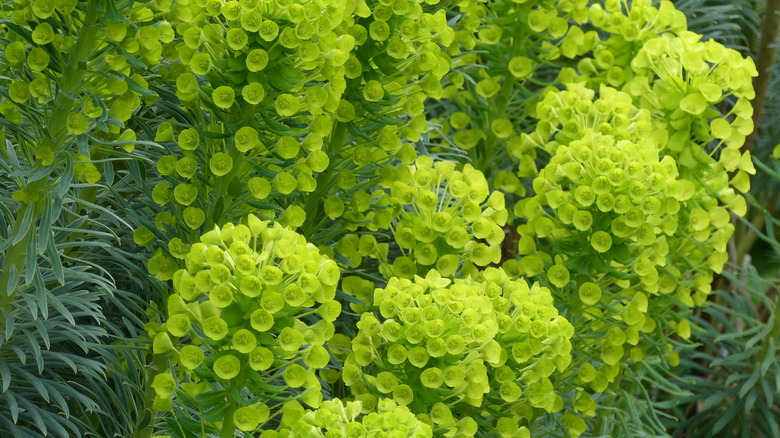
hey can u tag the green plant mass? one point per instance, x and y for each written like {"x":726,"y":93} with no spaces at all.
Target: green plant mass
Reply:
{"x":389,"y":218}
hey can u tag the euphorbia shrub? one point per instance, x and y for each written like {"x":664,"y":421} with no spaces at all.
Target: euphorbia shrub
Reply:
{"x":608,"y":152}
{"x":516,"y":203}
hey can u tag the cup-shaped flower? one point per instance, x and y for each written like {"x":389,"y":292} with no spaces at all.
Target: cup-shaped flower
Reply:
{"x":227,"y":367}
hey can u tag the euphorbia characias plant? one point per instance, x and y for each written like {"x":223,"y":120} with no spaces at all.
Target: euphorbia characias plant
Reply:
{"x":594,"y":205}
{"x":387,"y":218}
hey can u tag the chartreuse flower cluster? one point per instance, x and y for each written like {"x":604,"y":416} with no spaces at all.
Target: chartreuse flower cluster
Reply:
{"x":682,"y":80}
{"x":604,"y":118}
{"x":685,"y":79}
{"x":628,"y":26}
{"x":270,"y":115}
{"x":616,"y":172}
{"x":337,"y":419}
{"x":250,"y":314}
{"x":513,"y":40}
{"x":616,"y":228}
{"x":274,"y":79}
{"x":44,"y":67}
{"x":609,"y":193}
{"x":450,"y":348}
{"x":448,"y":218}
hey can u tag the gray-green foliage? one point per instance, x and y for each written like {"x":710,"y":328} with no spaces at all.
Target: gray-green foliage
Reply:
{"x":72,"y":297}
{"x":65,"y":370}
{"x":728,"y":381}
{"x":733,"y":376}
{"x":734,"y":23}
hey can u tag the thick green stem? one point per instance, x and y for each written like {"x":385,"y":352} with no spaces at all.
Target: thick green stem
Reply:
{"x":749,"y":237}
{"x":146,"y":422}
{"x":313,"y":201}
{"x":71,"y":81}
{"x":228,"y":425}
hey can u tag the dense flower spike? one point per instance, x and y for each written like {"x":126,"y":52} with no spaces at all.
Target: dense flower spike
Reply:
{"x":336,"y":418}
{"x":610,"y":191}
{"x":473,"y":343}
{"x":448,"y":218}
{"x":275,"y":82}
{"x":264,"y":299}
{"x":608,"y":184}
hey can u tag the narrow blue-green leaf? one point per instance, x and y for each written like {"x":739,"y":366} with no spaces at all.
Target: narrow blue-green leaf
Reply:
{"x":210,"y":399}
{"x":9,"y":324}
{"x":770,"y":416}
{"x":34,"y":411}
{"x":67,"y":176}
{"x":725,"y":419}
{"x":43,"y":333}
{"x":121,"y":143}
{"x":340,"y":258}
{"x":135,"y":86}
{"x":23,"y":133}
{"x":750,"y":400}
{"x":112,"y":11}
{"x":65,"y":359}
{"x":82,"y":141}
{"x":345,"y":296}
{"x":59,"y":400}
{"x":108,"y":172}
{"x":215,"y":414}
{"x":770,"y":356}
{"x":21,"y":31}
{"x":56,"y":208}
{"x":5,"y":376}
{"x":132,"y":60}
{"x":44,"y":229}
{"x":57,"y":304}
{"x":24,"y":226}
{"x":13,"y":406}
{"x":769,"y":393}
{"x":56,"y":427}
{"x":13,"y":279}
{"x":735,"y":335}
{"x":11,"y":151}
{"x":717,"y":398}
{"x":32,"y":258}
{"x":35,"y":382}
{"x":36,"y":354}
{"x":30,"y":173}
{"x":56,"y":263}
{"x":98,"y":102}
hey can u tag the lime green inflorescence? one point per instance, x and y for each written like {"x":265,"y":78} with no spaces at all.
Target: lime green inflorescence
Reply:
{"x":627,"y":167}
{"x":445,"y":347}
{"x":255,"y":299}
{"x":448,"y":218}
{"x":336,"y":418}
